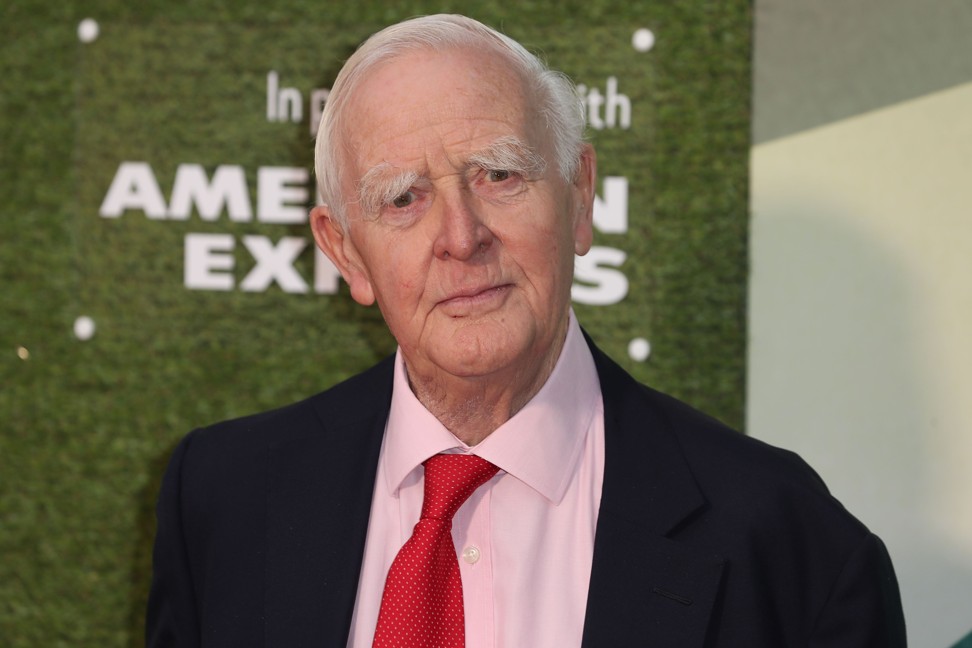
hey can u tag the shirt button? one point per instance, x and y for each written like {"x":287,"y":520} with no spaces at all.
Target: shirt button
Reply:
{"x":471,"y":554}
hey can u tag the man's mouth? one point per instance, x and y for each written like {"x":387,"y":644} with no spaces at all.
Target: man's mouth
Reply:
{"x":462,"y":301}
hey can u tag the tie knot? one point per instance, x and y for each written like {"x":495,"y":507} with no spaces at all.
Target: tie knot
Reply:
{"x":449,"y":481}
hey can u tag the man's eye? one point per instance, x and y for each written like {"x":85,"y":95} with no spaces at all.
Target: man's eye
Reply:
{"x":498,"y":175}
{"x":404,"y":200}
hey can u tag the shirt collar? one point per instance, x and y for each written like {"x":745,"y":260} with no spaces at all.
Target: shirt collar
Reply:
{"x":540,"y":445}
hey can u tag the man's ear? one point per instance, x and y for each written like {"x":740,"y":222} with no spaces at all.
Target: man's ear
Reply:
{"x":337,"y":245}
{"x":583,"y":188}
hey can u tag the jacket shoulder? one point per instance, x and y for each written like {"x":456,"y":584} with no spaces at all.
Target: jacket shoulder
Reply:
{"x":727,"y":457}
{"x":735,"y":473}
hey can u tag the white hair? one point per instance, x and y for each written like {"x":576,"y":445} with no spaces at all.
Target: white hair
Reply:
{"x":554,"y":97}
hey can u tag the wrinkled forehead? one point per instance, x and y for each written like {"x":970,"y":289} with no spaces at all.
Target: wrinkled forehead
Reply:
{"x":454,"y":94}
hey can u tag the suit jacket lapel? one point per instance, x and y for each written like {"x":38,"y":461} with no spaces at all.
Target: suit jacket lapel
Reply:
{"x":646,"y":589}
{"x":319,"y":497}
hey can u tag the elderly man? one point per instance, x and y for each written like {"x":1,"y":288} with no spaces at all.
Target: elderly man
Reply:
{"x":499,"y":481}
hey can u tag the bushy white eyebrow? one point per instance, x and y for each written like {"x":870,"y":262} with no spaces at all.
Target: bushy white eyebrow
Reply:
{"x":384,"y":182}
{"x":381,"y":185}
{"x":509,"y":153}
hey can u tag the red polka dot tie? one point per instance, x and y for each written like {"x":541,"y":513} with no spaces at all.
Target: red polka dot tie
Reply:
{"x":421,"y":606}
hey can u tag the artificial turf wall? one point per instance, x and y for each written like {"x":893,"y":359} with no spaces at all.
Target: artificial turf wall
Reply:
{"x":133,"y":307}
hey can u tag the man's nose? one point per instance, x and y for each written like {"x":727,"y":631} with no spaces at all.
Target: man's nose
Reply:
{"x":462,"y":232}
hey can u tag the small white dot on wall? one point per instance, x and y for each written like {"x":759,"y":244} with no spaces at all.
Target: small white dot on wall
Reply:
{"x":84,"y":328}
{"x":643,"y":40}
{"x":88,"y":30}
{"x":639,"y":349}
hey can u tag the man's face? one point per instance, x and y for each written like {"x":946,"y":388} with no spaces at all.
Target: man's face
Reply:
{"x":456,"y":228}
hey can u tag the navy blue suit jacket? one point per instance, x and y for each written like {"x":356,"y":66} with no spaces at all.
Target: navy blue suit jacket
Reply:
{"x":705,"y":537}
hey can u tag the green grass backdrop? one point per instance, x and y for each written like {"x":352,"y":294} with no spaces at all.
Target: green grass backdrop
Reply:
{"x":86,"y":426}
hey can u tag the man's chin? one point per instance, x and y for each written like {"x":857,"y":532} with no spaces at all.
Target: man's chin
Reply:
{"x":480,"y":349}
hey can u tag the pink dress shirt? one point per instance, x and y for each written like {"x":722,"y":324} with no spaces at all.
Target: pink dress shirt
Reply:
{"x":526,"y":538}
